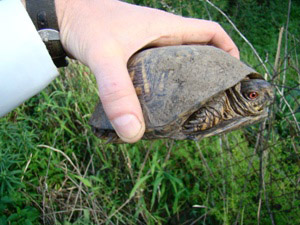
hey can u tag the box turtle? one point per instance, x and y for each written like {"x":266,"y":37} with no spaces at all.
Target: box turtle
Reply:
{"x":191,"y":92}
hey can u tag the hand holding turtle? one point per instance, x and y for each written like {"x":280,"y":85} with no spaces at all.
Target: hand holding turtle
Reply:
{"x":104,"y":34}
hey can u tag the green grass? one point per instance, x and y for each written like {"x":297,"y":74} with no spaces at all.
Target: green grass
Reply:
{"x":54,"y":171}
{"x":53,"y":167}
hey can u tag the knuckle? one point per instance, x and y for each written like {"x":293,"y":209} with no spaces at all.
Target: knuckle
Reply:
{"x":217,"y":26}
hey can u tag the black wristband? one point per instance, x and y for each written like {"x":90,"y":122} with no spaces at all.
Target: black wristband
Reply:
{"x":43,"y":16}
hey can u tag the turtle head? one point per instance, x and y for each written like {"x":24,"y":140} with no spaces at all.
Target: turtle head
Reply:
{"x":243,"y":104}
{"x":251,"y":97}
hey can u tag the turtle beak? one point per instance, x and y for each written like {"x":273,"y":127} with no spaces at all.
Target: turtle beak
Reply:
{"x":268,"y":89}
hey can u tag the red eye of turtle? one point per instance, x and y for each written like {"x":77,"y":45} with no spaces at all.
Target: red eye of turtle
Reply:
{"x":252,"y":95}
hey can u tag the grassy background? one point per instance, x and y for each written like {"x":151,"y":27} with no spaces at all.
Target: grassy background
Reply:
{"x":53,"y":170}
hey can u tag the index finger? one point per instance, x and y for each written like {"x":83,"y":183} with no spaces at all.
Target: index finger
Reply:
{"x":195,"y":31}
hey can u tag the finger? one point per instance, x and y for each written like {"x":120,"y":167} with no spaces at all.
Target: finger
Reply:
{"x":119,"y":99}
{"x":195,"y":31}
{"x":222,"y":40}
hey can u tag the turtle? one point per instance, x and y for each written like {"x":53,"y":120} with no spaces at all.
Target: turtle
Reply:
{"x":190,"y":92}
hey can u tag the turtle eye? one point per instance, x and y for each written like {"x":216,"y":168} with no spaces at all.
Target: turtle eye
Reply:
{"x":252,"y":95}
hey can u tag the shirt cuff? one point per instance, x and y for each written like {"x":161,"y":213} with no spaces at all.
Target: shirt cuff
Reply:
{"x":25,"y":64}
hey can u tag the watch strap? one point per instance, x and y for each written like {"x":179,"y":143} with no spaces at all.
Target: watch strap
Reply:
{"x":43,"y":16}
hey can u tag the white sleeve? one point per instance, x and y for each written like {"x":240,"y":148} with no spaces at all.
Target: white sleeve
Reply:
{"x":25,"y":64}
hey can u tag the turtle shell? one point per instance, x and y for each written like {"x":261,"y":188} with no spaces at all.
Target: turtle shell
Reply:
{"x":172,"y":82}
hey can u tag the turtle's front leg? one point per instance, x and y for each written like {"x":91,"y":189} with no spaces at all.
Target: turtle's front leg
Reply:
{"x":209,"y":115}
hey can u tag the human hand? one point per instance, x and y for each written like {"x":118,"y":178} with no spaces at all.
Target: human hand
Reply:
{"x":104,"y":34}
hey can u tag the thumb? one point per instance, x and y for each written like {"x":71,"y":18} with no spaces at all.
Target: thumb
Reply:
{"x":119,"y":98}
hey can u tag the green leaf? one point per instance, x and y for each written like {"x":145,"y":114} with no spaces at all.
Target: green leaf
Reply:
{"x":156,"y":184}
{"x":84,"y":181}
{"x":137,"y":185}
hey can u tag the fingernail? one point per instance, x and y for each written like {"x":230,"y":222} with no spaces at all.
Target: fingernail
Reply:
{"x":127,"y":126}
